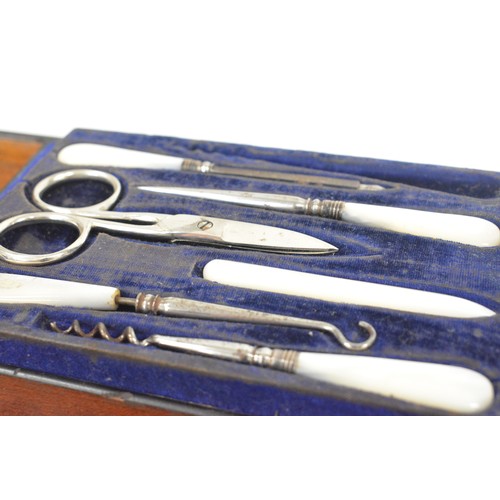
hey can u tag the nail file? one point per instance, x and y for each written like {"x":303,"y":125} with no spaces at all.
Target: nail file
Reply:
{"x":341,"y":290}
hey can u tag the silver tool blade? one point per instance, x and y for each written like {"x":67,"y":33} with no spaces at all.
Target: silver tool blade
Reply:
{"x":237,"y":234}
{"x":281,"y":202}
{"x":233,"y":351}
{"x":273,"y":239}
{"x":276,"y":175}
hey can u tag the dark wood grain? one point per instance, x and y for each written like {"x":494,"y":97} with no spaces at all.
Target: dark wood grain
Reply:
{"x":27,"y":397}
{"x":14,"y":155}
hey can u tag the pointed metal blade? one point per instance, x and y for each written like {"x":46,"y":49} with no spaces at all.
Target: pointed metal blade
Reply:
{"x":232,"y":233}
{"x":281,"y":202}
{"x":207,"y":347}
{"x":269,"y":238}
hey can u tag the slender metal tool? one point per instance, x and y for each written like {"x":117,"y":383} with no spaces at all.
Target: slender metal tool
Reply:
{"x":180,"y":227}
{"x":187,"y":308}
{"x":20,"y":289}
{"x":438,"y":386}
{"x":451,"y":227}
{"x":100,"y":155}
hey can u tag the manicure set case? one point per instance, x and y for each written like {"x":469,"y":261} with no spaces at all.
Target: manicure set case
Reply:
{"x":175,"y":269}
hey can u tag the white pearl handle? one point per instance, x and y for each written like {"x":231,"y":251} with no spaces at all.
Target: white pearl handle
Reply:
{"x":20,"y":289}
{"x":444,"y":387}
{"x":450,"y":227}
{"x":99,"y":155}
{"x":341,"y":290}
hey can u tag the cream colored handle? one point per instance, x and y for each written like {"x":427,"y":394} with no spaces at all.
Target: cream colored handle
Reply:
{"x":99,"y":155}
{"x":450,"y":227}
{"x":341,"y":290}
{"x":20,"y":289}
{"x":444,"y":387}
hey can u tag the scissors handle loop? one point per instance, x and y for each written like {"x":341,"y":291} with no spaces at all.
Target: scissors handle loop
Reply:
{"x":82,"y":225}
{"x":76,"y":175}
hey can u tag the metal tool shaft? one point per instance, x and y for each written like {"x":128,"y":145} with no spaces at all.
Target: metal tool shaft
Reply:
{"x":187,"y":308}
{"x":207,"y":167}
{"x":266,"y":357}
{"x":280,"y":202}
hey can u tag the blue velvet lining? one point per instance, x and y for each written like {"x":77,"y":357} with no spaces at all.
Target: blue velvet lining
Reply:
{"x":367,"y":254}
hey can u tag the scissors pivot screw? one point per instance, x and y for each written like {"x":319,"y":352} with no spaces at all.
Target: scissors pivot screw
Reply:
{"x":205,"y":224}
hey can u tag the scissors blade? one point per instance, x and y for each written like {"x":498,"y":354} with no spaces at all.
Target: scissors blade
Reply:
{"x":282,"y":202}
{"x":237,"y":234}
{"x":246,"y":234}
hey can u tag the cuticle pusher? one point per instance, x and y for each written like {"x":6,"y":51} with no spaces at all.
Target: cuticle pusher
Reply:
{"x":101,"y":155}
{"x":438,"y":386}
{"x":450,"y":227}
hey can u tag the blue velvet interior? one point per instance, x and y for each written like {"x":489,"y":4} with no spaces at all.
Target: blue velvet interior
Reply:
{"x":135,"y":265}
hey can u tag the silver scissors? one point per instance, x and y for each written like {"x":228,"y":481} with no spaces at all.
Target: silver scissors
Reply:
{"x":179,"y":227}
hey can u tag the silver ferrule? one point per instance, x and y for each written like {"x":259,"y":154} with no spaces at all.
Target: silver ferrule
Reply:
{"x":266,"y":357}
{"x":324,"y":208}
{"x":187,"y":308}
{"x":147,"y":303}
{"x":189,"y":165}
{"x":278,"y":359}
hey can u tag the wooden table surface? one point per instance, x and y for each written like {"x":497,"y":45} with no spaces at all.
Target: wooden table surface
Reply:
{"x":25,"y":393}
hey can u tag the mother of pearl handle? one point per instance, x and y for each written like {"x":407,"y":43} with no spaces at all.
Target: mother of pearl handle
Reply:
{"x":20,"y":289}
{"x":450,"y":227}
{"x":341,"y":290}
{"x":99,"y":155}
{"x":444,"y":387}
